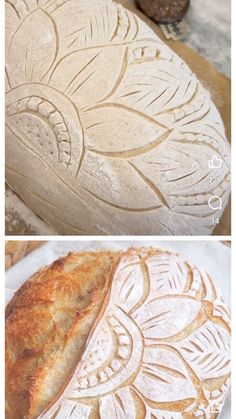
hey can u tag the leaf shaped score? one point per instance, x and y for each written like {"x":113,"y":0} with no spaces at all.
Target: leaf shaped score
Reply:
{"x":101,"y":123}
{"x":162,"y":373}
{"x":72,"y":409}
{"x":129,"y":283}
{"x":92,"y":74}
{"x":119,"y":405}
{"x":30,"y":58}
{"x":208,"y":351}
{"x":149,"y":86}
{"x":83,"y":30}
{"x":177,"y":167}
{"x":103,"y":173}
{"x":159,"y":318}
{"x":168,"y":275}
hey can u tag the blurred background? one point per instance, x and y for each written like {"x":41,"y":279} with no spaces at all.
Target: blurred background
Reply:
{"x":210,"y":31}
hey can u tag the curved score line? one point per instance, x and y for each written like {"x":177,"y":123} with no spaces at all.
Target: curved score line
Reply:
{"x":136,"y":151}
{"x":120,"y":207}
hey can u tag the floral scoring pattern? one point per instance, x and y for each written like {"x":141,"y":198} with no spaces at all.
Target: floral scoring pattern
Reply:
{"x":116,"y":124}
{"x":160,"y":350}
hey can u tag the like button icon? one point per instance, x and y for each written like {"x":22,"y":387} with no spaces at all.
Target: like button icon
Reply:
{"x":215,"y":162}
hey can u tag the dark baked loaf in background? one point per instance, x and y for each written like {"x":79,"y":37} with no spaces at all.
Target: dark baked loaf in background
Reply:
{"x":165,"y":11}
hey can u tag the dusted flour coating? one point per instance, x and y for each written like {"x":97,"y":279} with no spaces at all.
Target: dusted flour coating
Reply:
{"x":108,"y":131}
{"x":154,"y":340}
{"x":161,"y":349}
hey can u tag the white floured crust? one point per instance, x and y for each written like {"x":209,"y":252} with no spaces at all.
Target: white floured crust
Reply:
{"x":160,"y":350}
{"x":108,"y":131}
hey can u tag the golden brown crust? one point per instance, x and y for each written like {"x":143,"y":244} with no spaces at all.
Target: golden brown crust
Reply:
{"x":47,"y":324}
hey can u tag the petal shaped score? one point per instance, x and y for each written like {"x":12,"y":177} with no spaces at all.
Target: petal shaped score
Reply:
{"x":128,"y":283}
{"x":110,"y":180}
{"x":88,"y":76}
{"x":107,"y":128}
{"x":168,"y":274}
{"x":162,"y":414}
{"x":119,"y":405}
{"x":165,"y":317}
{"x":163,"y":377}
{"x":68,"y":409}
{"x":208,"y":351}
{"x":179,"y":169}
{"x":33,"y":49}
{"x":12,"y":21}
{"x":82,"y":29}
{"x":147,"y":85}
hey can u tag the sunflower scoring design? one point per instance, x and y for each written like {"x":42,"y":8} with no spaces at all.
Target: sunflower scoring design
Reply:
{"x":105,"y":115}
{"x":161,"y":349}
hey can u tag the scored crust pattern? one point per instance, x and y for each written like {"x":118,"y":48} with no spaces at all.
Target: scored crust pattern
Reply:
{"x":161,"y":349}
{"x":101,"y":111}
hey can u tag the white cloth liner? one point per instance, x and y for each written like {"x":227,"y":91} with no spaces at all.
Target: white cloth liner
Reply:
{"x":211,"y":256}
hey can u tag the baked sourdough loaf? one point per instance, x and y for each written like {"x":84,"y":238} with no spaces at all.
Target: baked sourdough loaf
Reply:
{"x":131,"y":335}
{"x":108,"y":130}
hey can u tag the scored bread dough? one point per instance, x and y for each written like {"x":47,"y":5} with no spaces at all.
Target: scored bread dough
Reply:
{"x":159,"y":349}
{"x":108,"y":130}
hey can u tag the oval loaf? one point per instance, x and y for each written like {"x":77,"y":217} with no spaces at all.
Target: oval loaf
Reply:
{"x":108,"y":130}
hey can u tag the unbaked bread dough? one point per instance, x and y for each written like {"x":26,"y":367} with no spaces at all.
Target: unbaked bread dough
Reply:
{"x":156,"y":346}
{"x":108,"y":131}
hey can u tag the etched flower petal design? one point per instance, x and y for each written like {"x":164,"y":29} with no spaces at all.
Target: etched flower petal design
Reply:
{"x":82,"y":29}
{"x":103,"y":120}
{"x":161,"y":373}
{"x":114,"y":156}
{"x":119,"y":77}
{"x":11,"y":22}
{"x":129,"y":282}
{"x":30,"y":58}
{"x":168,"y":274}
{"x":71,"y":409}
{"x":162,"y":358}
{"x":208,"y":351}
{"x":148,"y":86}
{"x":91,"y":74}
{"x":179,"y":170}
{"x":119,"y":405}
{"x":162,"y":318}
{"x":102,"y":173}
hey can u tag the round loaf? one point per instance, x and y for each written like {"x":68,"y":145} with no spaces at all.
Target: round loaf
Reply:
{"x":140,"y":334}
{"x":165,"y":11}
{"x":108,"y":131}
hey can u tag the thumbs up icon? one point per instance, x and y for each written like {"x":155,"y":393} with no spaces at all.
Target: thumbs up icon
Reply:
{"x":215,"y":162}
